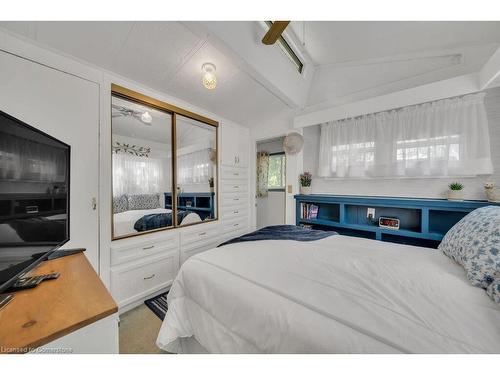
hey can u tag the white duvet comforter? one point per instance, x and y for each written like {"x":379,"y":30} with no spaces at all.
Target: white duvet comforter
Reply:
{"x":336,"y":295}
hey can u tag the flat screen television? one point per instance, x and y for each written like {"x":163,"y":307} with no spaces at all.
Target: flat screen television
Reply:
{"x":34,"y":197}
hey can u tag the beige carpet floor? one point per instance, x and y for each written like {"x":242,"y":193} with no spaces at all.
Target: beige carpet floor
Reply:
{"x":139,"y":328}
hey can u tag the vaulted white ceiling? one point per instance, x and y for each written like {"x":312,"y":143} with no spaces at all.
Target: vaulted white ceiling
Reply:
{"x":337,"y":42}
{"x":346,"y":61}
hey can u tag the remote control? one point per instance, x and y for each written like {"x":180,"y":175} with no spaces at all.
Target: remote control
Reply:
{"x":51,"y":276}
{"x":31,"y":282}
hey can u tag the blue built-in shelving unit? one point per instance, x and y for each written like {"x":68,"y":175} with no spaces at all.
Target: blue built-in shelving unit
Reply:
{"x":423,"y":222}
{"x":200,"y":203}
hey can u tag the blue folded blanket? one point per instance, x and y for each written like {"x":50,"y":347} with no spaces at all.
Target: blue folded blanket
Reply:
{"x":282,"y":232}
{"x":154,"y":221}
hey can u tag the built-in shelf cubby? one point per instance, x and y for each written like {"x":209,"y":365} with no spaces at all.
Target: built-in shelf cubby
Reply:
{"x":422,"y":222}
{"x":200,"y":203}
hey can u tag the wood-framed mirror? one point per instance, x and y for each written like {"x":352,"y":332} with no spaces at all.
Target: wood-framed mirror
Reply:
{"x":156,"y":147}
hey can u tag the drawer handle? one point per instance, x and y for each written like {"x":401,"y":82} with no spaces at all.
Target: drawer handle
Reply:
{"x":235,"y":212}
{"x":236,"y":174}
{"x":148,"y":247}
{"x":236,"y":186}
{"x":236,"y":199}
{"x":149,"y":277}
{"x":202,"y":233}
{"x":235,"y":225}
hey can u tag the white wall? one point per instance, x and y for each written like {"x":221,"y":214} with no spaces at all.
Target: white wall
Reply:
{"x":408,"y":187}
{"x":67,"y":108}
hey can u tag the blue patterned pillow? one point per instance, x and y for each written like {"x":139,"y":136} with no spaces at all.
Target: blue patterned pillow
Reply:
{"x":474,"y":243}
{"x":120,"y":204}
{"x":143,"y":201}
{"x":494,"y":290}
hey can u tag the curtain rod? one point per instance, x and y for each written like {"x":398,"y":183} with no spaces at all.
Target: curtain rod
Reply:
{"x":396,"y":109}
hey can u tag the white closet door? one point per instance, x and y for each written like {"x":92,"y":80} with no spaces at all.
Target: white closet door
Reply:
{"x":66,"y":107}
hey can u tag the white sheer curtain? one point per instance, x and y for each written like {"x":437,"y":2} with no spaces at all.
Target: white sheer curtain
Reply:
{"x":194,"y":167}
{"x":23,"y":159}
{"x":443,"y":138}
{"x":138,"y":175}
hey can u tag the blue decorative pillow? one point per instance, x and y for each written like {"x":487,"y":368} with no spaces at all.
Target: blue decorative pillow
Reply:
{"x":474,"y":243}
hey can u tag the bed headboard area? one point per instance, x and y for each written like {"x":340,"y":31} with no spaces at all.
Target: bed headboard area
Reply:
{"x":420,"y":222}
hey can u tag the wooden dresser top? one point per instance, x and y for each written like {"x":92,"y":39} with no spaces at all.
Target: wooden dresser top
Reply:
{"x":55,"y":308}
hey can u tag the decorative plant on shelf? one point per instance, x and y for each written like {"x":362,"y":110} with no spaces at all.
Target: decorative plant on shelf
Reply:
{"x":305,"y":183}
{"x":455,"y":191}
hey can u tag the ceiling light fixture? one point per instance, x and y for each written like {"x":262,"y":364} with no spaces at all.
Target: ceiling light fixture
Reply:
{"x":209,"y":78}
{"x":146,"y":118}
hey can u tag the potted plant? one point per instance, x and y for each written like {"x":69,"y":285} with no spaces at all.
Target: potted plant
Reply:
{"x":305,"y":183}
{"x":455,"y":191}
{"x":211,"y":184}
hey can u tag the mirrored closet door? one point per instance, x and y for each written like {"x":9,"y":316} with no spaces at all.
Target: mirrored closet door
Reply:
{"x":142,"y":168}
{"x":196,"y":162}
{"x":155,"y":147}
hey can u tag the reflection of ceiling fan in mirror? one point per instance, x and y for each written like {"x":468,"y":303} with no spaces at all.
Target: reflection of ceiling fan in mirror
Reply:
{"x":119,"y":111}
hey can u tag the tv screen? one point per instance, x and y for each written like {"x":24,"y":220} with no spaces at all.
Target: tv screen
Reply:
{"x":34,"y":197}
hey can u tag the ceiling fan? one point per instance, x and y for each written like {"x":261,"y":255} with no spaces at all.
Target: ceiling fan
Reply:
{"x":143,"y":117}
{"x":275,"y":31}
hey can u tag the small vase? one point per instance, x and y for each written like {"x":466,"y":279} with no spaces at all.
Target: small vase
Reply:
{"x":305,"y":190}
{"x":455,"y":195}
{"x":493,"y":194}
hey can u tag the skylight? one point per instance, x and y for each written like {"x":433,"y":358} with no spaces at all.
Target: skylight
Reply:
{"x":285,"y":47}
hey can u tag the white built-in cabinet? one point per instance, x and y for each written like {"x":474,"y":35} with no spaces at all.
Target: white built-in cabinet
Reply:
{"x":147,"y":265}
{"x":235,"y":145}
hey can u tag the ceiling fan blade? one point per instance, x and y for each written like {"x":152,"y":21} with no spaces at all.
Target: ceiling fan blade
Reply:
{"x":275,"y":32}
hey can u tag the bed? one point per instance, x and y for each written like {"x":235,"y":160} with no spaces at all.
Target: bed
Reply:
{"x":334,"y":295}
{"x":124,"y":221}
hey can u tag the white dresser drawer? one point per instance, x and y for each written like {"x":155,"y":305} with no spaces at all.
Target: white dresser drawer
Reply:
{"x":132,"y":282}
{"x":199,"y":234}
{"x":133,"y":250}
{"x":234,"y":225}
{"x":234,"y":173}
{"x":230,"y":213}
{"x":236,"y":186}
{"x":234,"y":200}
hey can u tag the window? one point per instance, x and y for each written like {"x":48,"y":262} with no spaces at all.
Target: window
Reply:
{"x":436,"y":148}
{"x":285,"y":47}
{"x":276,"y":174}
{"x":447,"y":137}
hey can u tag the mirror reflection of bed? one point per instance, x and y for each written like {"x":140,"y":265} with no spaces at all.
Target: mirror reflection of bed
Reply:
{"x":142,"y":169}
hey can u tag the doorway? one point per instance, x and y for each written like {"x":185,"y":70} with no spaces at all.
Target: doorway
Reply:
{"x":271,"y":182}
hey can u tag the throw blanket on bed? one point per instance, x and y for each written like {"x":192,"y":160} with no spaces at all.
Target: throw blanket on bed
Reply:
{"x":282,"y":232}
{"x":154,"y":221}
